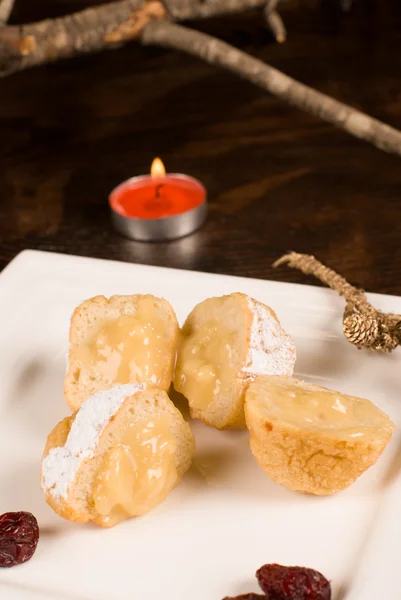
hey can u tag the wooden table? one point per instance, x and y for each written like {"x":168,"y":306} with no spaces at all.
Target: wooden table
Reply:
{"x":277,"y":178}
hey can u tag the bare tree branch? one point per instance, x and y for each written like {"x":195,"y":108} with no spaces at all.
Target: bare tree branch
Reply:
{"x":113,"y":24}
{"x":97,"y":28}
{"x":6,"y":8}
{"x":86,"y":31}
{"x":108,"y":25}
{"x":216,"y":52}
{"x":274,"y":21}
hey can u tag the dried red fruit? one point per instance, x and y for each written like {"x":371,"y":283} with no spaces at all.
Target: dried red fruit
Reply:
{"x":293,"y":583}
{"x":19,"y":536}
{"x":250,"y":596}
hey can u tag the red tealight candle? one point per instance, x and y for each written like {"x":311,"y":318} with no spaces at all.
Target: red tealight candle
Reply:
{"x":158,"y":206}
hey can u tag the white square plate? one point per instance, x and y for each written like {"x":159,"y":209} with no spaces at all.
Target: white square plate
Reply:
{"x":226,"y":518}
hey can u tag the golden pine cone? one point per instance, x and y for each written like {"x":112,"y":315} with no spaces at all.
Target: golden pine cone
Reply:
{"x":361,"y":330}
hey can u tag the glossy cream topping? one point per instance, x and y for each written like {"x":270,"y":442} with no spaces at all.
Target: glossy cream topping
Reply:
{"x":204,"y":364}
{"x":320,"y":409}
{"x":137,"y":473}
{"x":129,"y":349}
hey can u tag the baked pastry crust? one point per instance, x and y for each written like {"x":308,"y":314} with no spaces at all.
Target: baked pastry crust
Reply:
{"x":74,"y":452}
{"x":84,"y":378}
{"x":311,"y":439}
{"x":226,"y":342}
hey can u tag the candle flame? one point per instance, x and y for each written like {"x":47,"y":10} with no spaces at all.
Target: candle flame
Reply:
{"x":157,"y":169}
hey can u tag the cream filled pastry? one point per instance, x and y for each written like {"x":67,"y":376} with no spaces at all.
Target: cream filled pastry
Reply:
{"x":312,"y":439}
{"x":224,"y":344}
{"x":117,"y":457}
{"x":124,"y":339}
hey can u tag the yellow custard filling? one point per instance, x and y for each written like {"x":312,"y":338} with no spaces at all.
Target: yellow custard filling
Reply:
{"x":129,"y":349}
{"x":136,"y":474}
{"x":326,"y":411}
{"x":203,"y":369}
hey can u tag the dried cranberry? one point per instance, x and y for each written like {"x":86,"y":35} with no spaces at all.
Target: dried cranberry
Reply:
{"x":250,"y":596}
{"x":19,"y":536}
{"x":293,"y":583}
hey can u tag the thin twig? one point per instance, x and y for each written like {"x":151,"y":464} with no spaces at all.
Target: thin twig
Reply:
{"x":186,"y":10}
{"x":274,"y":21}
{"x":6,"y":8}
{"x":309,"y":265}
{"x":277,"y":83}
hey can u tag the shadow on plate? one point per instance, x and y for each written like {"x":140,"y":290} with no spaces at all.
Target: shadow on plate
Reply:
{"x":393,"y":470}
{"x":38,"y":396}
{"x":245,"y":587}
{"x":224,"y":461}
{"x":342,"y":592}
{"x":324,"y":361}
{"x":20,"y":490}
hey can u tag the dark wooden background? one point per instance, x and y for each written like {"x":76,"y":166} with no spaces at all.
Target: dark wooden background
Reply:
{"x":277,"y":178}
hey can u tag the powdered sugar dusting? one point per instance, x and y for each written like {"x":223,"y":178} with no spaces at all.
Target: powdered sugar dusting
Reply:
{"x":271,"y":350}
{"x":60,"y":466}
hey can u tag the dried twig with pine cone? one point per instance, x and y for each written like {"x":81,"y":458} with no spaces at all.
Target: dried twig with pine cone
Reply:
{"x":363,"y":325}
